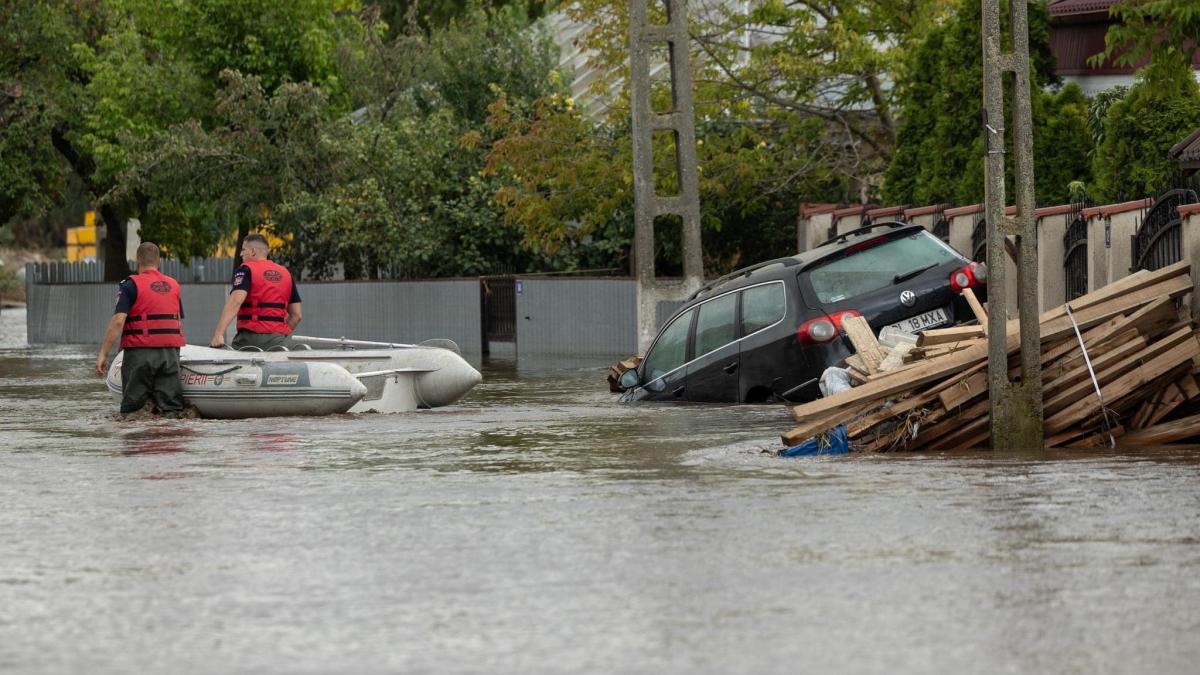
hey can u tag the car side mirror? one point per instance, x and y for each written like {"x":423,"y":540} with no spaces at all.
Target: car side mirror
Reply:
{"x":628,"y":379}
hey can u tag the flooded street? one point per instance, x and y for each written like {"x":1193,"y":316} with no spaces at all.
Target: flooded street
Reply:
{"x":540,"y":527}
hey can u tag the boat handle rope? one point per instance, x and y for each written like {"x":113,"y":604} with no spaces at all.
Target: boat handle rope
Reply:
{"x":1112,"y":443}
{"x":230,"y":369}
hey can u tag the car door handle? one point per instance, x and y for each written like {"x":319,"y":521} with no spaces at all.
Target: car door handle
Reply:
{"x":731,"y":367}
{"x":678,"y":391}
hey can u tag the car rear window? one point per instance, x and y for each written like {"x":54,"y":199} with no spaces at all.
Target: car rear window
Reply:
{"x":761,"y":307}
{"x":876,"y":267}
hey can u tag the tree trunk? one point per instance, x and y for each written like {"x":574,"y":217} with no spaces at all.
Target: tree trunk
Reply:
{"x":116,"y":265}
{"x":243,"y":230}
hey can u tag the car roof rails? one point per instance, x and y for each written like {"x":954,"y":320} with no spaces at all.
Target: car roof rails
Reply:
{"x":744,"y":272}
{"x":842,"y":237}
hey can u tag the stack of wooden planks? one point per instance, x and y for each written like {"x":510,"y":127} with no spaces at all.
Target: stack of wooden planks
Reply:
{"x":1134,"y":336}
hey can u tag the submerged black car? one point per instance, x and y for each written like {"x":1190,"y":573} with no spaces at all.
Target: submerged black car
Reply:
{"x":768,"y":331}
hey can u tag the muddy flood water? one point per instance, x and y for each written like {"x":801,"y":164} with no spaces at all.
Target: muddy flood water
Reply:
{"x":541,"y":527}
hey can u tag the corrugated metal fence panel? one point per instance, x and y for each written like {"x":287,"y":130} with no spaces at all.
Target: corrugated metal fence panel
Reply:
{"x":193,"y":271}
{"x":383,"y":311}
{"x":576,"y":317}
{"x":68,"y":314}
{"x":394,"y":311}
{"x":202,"y":305}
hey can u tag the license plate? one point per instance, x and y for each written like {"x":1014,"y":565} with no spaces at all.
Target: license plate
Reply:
{"x":918,"y":323}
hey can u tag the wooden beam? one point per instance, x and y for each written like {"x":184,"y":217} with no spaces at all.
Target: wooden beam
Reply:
{"x":1125,"y":384}
{"x":1167,"y":432}
{"x":865,"y":344}
{"x":976,"y":308}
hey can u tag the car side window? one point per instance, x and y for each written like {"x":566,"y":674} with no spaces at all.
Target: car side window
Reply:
{"x":670,"y":351}
{"x":761,"y":307}
{"x":716,"y":324}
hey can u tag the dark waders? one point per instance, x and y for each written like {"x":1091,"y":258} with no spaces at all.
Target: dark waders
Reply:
{"x":263,"y":341}
{"x":151,"y":372}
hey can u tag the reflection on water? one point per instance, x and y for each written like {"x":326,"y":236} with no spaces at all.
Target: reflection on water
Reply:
{"x":539,"y":526}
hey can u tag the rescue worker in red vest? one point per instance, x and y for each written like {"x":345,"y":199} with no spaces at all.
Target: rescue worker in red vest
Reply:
{"x":264,"y":300}
{"x":148,"y":319}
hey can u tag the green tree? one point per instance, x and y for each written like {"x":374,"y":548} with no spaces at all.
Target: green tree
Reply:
{"x":1158,"y":112}
{"x":939,"y":155}
{"x":1160,"y":109}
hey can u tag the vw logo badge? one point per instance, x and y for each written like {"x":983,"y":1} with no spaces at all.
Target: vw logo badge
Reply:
{"x":908,"y":298}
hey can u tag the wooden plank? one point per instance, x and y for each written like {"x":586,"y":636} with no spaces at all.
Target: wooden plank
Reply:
{"x":1078,"y":381}
{"x":976,"y":308}
{"x":1189,"y":386}
{"x":904,"y":407}
{"x":1134,"y":282}
{"x":1106,"y":373}
{"x":1099,"y":439}
{"x":890,"y":384}
{"x":1086,"y":318}
{"x":1123,"y":385}
{"x":1142,"y":416}
{"x":865,"y":344}
{"x":1169,"y":399}
{"x":965,"y":391}
{"x":973,"y":433}
{"x":895,"y":357}
{"x":941,"y":336}
{"x":950,"y":425}
{"x":1167,"y":432}
{"x":806,"y":431}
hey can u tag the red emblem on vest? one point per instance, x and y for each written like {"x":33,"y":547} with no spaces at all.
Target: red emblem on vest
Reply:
{"x":160,"y":287}
{"x":272,"y":276}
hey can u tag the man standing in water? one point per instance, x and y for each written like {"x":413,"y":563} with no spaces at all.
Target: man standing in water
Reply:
{"x":148,"y":318}
{"x":264,"y":299}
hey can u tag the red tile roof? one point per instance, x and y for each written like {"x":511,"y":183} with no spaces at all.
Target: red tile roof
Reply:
{"x":1067,"y":7}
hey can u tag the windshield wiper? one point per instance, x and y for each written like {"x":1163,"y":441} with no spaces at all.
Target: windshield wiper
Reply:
{"x":908,"y":275}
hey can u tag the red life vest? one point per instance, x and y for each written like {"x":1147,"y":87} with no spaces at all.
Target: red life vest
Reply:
{"x":265,"y":308}
{"x":154,"y":320}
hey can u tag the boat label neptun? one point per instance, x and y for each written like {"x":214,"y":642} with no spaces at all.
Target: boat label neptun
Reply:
{"x":284,"y":375}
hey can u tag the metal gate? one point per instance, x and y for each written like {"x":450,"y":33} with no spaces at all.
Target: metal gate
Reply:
{"x":1159,"y":240}
{"x":1075,"y":254}
{"x":498,"y":296}
{"x":979,"y":238}
{"x":941,"y":226}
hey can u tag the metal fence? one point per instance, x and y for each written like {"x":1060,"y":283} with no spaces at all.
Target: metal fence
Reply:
{"x":195,"y":270}
{"x":1159,"y":240}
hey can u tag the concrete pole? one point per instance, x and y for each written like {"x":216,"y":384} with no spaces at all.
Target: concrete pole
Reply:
{"x":680,"y":121}
{"x":1016,"y":407}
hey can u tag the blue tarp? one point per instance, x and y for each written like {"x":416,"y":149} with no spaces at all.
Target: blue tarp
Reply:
{"x":832,"y":442}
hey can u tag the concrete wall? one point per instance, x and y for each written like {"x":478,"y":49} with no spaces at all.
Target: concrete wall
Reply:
{"x":962,"y":223}
{"x":1052,"y":280}
{"x":817,"y":229}
{"x":1123,"y":226}
{"x":384,"y":311}
{"x":1190,"y":215}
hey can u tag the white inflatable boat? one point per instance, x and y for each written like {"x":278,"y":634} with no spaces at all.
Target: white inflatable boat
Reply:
{"x":238,"y":385}
{"x":345,"y":376}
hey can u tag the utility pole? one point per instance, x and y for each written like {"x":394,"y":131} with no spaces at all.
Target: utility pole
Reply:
{"x":1016,"y":407}
{"x":680,"y":121}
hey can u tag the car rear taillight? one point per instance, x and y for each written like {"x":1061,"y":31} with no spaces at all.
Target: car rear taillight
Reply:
{"x":823,"y":329}
{"x":974,"y":274}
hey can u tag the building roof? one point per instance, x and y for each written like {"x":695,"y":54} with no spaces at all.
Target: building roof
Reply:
{"x":1187,"y":151}
{"x":1071,"y":7}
